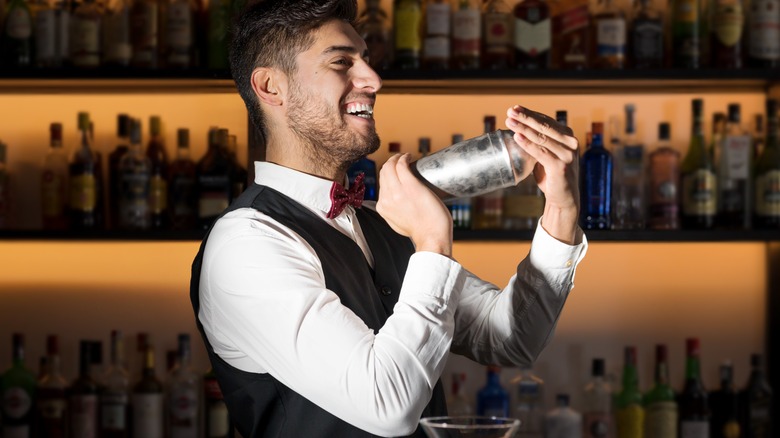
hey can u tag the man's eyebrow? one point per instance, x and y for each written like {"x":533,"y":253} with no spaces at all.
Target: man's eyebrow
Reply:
{"x":349,"y":50}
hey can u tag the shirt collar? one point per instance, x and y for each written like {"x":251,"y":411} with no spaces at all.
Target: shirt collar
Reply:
{"x":311,"y":191}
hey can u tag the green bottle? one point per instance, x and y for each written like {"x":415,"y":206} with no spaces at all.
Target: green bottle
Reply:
{"x":699,"y":186}
{"x":630,"y":411}
{"x":16,"y":38}
{"x":660,"y":404}
{"x":219,"y":26}
{"x":17,"y":389}
{"x":687,"y":31}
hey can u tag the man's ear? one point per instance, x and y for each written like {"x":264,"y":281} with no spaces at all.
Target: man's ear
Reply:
{"x":269,"y":85}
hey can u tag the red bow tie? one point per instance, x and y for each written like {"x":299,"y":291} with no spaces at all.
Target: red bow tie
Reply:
{"x":340,"y":197}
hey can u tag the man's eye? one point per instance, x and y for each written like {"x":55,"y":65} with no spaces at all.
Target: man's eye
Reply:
{"x":342,"y":61}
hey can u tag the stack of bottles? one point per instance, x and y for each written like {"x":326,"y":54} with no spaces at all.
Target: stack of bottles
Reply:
{"x":111,"y":401}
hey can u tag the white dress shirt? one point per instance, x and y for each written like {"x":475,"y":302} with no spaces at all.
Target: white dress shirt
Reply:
{"x":265,"y":308}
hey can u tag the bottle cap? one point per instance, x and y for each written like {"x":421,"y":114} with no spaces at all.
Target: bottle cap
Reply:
{"x":597,"y":128}
{"x":726,"y":372}
{"x":394,"y":147}
{"x":155,"y":125}
{"x":771,"y":107}
{"x":661,"y":353}
{"x":490,"y":123}
{"x":630,"y":355}
{"x":135,"y":131}
{"x":692,"y":346}
{"x":457,"y":138}
{"x":183,"y":137}
{"x":562,"y":400}
{"x":123,"y":125}
{"x":55,"y":129}
{"x":597,"y":368}
{"x":562,"y":117}
{"x":425,"y":145}
{"x":756,"y":360}
{"x":83,"y":121}
{"x":734,"y":114}
{"x":664,"y":131}
{"x":52,"y":345}
{"x":697,"y":105}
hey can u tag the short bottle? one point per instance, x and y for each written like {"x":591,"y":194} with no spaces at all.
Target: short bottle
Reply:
{"x":114,"y":183}
{"x":84,"y":38}
{"x":663,"y":183}
{"x":529,"y":407}
{"x":571,"y":35}
{"x":16,"y":35}
{"x":629,"y":410}
{"x":763,"y":48}
{"x":597,"y":412}
{"x":492,"y":399}
{"x":372,"y":27}
{"x":610,"y":31}
{"x":687,"y":27}
{"x":661,"y":411}
{"x":85,"y":182}
{"x":158,"y":175}
{"x":217,"y":423}
{"x":725,"y":421}
{"x":756,"y":401}
{"x":497,"y":36}
{"x":596,"y":183}
{"x":646,"y":37}
{"x":18,"y":387}
{"x":563,"y":421}
{"x":54,"y":183}
{"x":436,"y":42}
{"x":726,"y":38}
{"x":213,"y":176}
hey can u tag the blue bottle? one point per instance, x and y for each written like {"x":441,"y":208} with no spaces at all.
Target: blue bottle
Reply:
{"x":596,"y":183}
{"x":493,"y":399}
{"x":368,"y":168}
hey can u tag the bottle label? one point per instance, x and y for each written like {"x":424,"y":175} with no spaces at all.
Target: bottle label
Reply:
{"x":179,"y":25}
{"x":113,"y":411}
{"x":437,"y":48}
{"x":134,"y":200}
{"x":52,"y":194}
{"x":84,"y":413}
{"x":768,"y":194}
{"x":85,"y":42}
{"x":596,"y":425}
{"x":661,"y":420}
{"x":212,"y":389}
{"x":611,"y":37}
{"x":407,"y":25}
{"x":148,"y":415}
{"x":648,"y":40}
{"x":694,"y":429}
{"x":574,"y":19}
{"x":438,"y":19}
{"x":737,"y":151}
{"x":498,"y":37}
{"x":532,"y":38}
{"x":45,"y":32}
{"x":52,"y":408}
{"x":630,"y":421}
{"x":699,"y":193}
{"x":764,"y":35}
{"x":158,"y":194}
{"x":18,"y":24}
{"x":16,"y":403}
{"x":633,"y":157}
{"x":83,"y":192}
{"x":759,"y":418}
{"x":572,"y":25}
{"x":466,"y":29}
{"x":184,"y":408}
{"x":218,"y":420}
{"x":214,"y":195}
{"x":728,"y":23}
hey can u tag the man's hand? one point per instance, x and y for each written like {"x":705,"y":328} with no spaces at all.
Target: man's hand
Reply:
{"x":557,"y":170}
{"x":411,"y":209}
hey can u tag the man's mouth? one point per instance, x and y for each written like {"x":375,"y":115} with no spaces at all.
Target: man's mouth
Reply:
{"x":364,"y":110}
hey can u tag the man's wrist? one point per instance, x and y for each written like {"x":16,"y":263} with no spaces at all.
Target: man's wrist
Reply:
{"x":561,"y":223}
{"x":438,"y":246}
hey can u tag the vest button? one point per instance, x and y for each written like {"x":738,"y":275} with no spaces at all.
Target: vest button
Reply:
{"x":386,"y":291}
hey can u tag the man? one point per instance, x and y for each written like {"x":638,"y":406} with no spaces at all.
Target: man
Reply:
{"x":328,"y":323}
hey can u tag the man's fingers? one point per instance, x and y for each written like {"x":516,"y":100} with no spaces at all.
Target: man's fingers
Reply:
{"x":543,"y":125}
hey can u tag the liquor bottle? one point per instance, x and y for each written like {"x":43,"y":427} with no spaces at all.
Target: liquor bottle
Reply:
{"x":117,"y":49}
{"x":137,"y":361}
{"x":54,"y":182}
{"x":724,"y":422}
{"x":178,"y":34}
{"x":596,"y":183}
{"x":147,"y":401}
{"x":115,"y":395}
{"x":84,"y":35}
{"x":62,"y":19}
{"x":83,"y":397}
{"x":459,"y":403}
{"x":523,"y":205}
{"x":183,"y":395}
{"x":424,"y":146}
{"x":460,"y":208}
{"x":144,"y":24}
{"x":758,"y":136}
{"x":609,"y":37}
{"x":734,"y":182}
{"x":529,"y":408}
{"x":16,"y":42}
{"x":756,"y":402}
{"x":5,"y":197}
{"x":45,"y":34}
{"x":532,"y":35}
{"x":488,"y":207}
{"x":693,"y":400}
{"x":114,"y":158}
{"x":134,"y":175}
{"x":18,"y":389}
{"x":571,"y":35}
{"x":629,"y":181}
{"x":407,"y":19}
{"x":466,"y":34}
{"x":699,"y":186}
{"x":563,"y":421}
{"x":218,"y":25}
{"x":436,"y":44}
{"x":217,"y":424}
{"x":213,"y":180}
{"x":763,"y":49}
{"x":597,"y":416}
{"x":629,"y":410}
{"x":84,"y":179}
{"x":158,"y":175}
{"x":367,"y":167}
{"x":239,"y":178}
{"x":497,"y":36}
{"x":492,"y":399}
{"x":52,"y":404}
{"x":182,"y":188}
{"x":372,"y":27}
{"x":726,"y":45}
{"x":646,"y":37}
{"x":767,"y":173}
{"x":687,"y":30}
{"x":661,"y":412}
{"x":663,"y":185}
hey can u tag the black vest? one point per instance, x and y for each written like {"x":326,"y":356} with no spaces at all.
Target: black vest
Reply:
{"x":261,"y":406}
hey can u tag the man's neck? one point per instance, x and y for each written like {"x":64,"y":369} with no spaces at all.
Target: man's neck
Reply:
{"x":290,"y":152}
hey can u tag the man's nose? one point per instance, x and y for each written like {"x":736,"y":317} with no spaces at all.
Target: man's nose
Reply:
{"x":366,"y":78}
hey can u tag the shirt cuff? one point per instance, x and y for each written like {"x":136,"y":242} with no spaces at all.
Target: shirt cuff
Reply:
{"x":433,"y":275}
{"x":555,"y":259}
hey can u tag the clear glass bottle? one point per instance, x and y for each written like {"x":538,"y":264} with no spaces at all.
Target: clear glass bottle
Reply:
{"x":407,"y":21}
{"x":763,"y":22}
{"x":52,"y":401}
{"x":492,"y":399}
{"x":497,"y":36}
{"x":18,"y":387}
{"x":84,"y":36}
{"x":183,"y":394}
{"x":734,"y":160}
{"x":459,"y":403}
{"x":532,"y":35}
{"x":597,"y":413}
{"x":596,"y":186}
{"x":529,"y":407}
{"x":372,"y":27}
{"x":147,"y":400}
{"x":183,"y":199}
{"x":610,"y":32}
{"x":54,"y":182}
{"x":767,"y":174}
{"x":134,"y":182}
{"x":629,"y":181}
{"x":115,"y":394}
{"x":437,"y":34}
{"x":629,"y":410}
{"x":117,"y":49}
{"x":694,"y":400}
{"x":158,"y":175}
{"x":699,"y":185}
{"x":663,"y":183}
{"x":466,"y":34}
{"x":83,"y":397}
{"x":562,"y":421}
{"x":756,"y":401}
{"x":725,"y":421}
{"x":661,"y":411}
{"x":646,"y":37}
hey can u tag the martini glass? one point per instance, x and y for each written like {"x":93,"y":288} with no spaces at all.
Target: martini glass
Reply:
{"x":470,"y":426}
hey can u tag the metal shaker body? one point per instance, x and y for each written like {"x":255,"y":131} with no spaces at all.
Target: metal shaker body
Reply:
{"x":475,"y":166}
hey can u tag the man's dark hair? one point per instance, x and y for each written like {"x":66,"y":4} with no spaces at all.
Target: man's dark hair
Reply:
{"x":271,"y":33}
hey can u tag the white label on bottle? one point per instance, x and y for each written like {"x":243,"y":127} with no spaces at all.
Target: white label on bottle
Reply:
{"x":437,"y":48}
{"x":18,"y":24}
{"x":694,"y":429}
{"x":498,"y":36}
{"x":768,"y":194}
{"x":737,"y":152}
{"x":16,"y":431}
{"x":147,"y":415}
{"x":661,"y":420}
{"x":764,"y":25}
{"x":84,"y":414}
{"x":437,"y":19}
{"x":85,"y":42}
{"x":611,"y":36}
{"x":45,"y":33}
{"x":533,"y":38}
{"x":180,"y":25}
{"x":183,"y":410}
{"x":466,"y":29}
{"x":16,"y":403}
{"x":113,"y":411}
{"x":219,"y":423}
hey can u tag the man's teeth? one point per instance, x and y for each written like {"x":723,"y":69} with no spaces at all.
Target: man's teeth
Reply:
{"x":361,"y":110}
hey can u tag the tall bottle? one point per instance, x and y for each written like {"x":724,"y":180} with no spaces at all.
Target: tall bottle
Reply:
{"x":532,"y":35}
{"x":182,"y":194}
{"x":219,"y":15}
{"x":115,"y":394}
{"x":763,"y":24}
{"x":83,"y":397}
{"x":117,"y":49}
{"x":459,"y":403}
{"x":183,"y":395}
{"x":725,"y":421}
{"x":646,"y":37}
{"x":84,"y":36}
{"x":756,"y":402}
{"x":488,"y":208}
{"x":407,"y":20}
{"x":563,"y":421}
{"x":699,"y":186}
{"x":466,"y":34}
{"x":114,"y":158}
{"x":52,"y":404}
{"x":629,"y":181}
{"x":158,"y":184}
{"x":687,"y":28}
{"x":661,"y":412}
{"x":54,"y":182}
{"x":597,"y":415}
{"x":147,"y":401}
{"x":144,"y":28}
{"x":663,"y":184}
{"x":726,"y":42}
{"x":179,"y":34}
{"x":18,"y":389}
{"x":596,"y":183}
{"x":734,"y":182}
{"x":629,"y":410}
{"x":529,"y":408}
{"x":693,"y":400}
{"x":767,"y":173}
{"x":492,"y":399}
{"x":497,"y":33}
{"x":571,"y":35}
{"x":84,"y":182}
{"x":134,"y":181}
{"x":217,"y":422}
{"x":437,"y":34}
{"x":372,"y":27}
{"x":213,"y":179}
{"x":16,"y":39}
{"x":45,"y":34}
{"x":610,"y":31}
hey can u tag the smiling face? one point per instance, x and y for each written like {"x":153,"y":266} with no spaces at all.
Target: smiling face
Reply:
{"x":332,"y":96}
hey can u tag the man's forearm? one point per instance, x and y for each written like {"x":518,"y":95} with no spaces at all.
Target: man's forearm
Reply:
{"x":561,"y":224}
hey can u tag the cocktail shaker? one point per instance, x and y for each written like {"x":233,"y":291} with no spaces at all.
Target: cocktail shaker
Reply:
{"x":475,"y":166}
